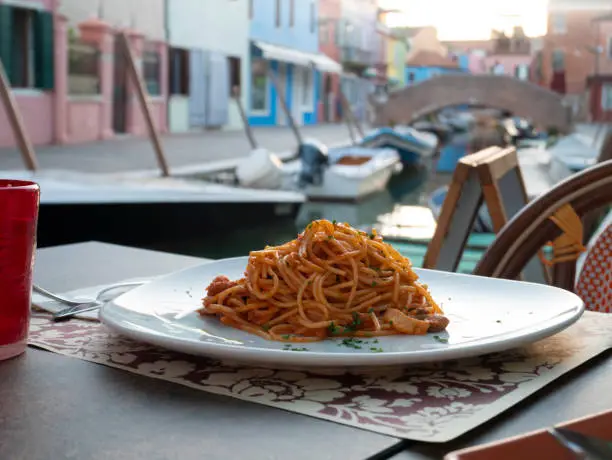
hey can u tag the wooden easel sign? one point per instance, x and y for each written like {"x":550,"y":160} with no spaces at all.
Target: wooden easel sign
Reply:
{"x":491,"y":176}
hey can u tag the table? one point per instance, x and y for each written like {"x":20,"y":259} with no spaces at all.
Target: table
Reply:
{"x":55,"y":407}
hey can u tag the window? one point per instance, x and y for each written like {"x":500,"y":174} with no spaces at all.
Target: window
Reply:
{"x":313,"y":18}
{"x":151,"y":62}
{"x":323,"y":33}
{"x":26,"y":47}
{"x":307,"y":91}
{"x":83,"y":68}
{"x":278,"y":13}
{"x":558,"y":23}
{"x":179,"y":71}
{"x":558,"y":60}
{"x":291,"y":13}
{"x":235,"y":82}
{"x":259,"y":85}
{"x":521,"y":71}
{"x":606,"y":96}
{"x":23,"y":49}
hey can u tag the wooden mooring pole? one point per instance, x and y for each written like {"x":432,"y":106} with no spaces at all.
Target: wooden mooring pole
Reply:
{"x":14,"y":116}
{"x":144,"y":105}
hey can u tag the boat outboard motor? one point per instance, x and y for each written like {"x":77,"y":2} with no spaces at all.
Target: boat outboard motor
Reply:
{"x":314,"y":160}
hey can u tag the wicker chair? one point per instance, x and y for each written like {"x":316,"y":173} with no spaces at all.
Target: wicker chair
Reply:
{"x":531,"y":228}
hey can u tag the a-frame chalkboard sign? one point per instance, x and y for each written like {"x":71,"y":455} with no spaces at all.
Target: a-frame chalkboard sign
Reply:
{"x":491,"y":176}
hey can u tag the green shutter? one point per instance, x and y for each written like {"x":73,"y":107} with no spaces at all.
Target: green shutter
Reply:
{"x":6,"y":38}
{"x":44,"y":50}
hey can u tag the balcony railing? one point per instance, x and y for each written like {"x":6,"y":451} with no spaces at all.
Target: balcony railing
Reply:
{"x":357,"y":55}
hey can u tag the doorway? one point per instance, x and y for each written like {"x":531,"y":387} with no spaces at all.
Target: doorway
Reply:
{"x":120,"y":89}
{"x":281,"y":79}
{"x":297,"y":94}
{"x":327,"y":99}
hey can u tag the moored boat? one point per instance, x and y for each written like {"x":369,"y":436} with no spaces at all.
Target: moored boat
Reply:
{"x":119,"y":209}
{"x":411,"y":144}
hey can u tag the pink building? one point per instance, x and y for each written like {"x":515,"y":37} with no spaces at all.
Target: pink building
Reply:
{"x":515,"y":65}
{"x":67,"y":81}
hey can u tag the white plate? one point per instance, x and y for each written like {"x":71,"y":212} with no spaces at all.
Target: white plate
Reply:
{"x":486,"y":315}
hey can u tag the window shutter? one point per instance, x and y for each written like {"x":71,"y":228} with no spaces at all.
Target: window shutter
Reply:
{"x":6,"y":38}
{"x":43,"y":44}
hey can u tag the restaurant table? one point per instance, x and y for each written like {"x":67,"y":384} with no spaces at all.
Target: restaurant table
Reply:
{"x":54,"y":407}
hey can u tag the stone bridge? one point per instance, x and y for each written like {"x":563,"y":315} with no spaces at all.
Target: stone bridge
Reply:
{"x":543,"y":107}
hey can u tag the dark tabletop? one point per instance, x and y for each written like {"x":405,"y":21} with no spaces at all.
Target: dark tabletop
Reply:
{"x":54,"y":407}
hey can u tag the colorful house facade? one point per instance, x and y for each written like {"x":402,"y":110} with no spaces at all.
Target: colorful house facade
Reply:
{"x":428,"y":64}
{"x":101,"y":100}
{"x":204,"y":70}
{"x":330,"y":14}
{"x":285,"y":59}
{"x":27,"y":37}
{"x":397,"y":52}
{"x":361,"y":52}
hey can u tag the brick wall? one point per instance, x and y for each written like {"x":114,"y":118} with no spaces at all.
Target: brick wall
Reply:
{"x":545,"y":108}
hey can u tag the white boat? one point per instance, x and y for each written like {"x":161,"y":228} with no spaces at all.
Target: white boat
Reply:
{"x":351,"y":174}
{"x":411,"y":144}
{"x":577,"y":150}
{"x":127,"y":209}
{"x":347,"y":173}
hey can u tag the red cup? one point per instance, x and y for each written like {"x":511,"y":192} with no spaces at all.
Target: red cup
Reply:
{"x":18,"y":218}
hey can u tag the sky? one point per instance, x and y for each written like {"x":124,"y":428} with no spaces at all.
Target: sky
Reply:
{"x":469,"y":19}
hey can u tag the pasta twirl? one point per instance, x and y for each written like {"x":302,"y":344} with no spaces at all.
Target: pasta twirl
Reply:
{"x":331,"y":281}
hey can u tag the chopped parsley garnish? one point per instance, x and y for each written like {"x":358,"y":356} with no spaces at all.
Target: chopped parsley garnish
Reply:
{"x":352,"y":343}
{"x":376,"y":349}
{"x":332,"y":328}
{"x":309,"y":226}
{"x":289,"y":347}
{"x":329,"y":237}
{"x":334,"y":221}
{"x":373,"y":283}
{"x":372,"y":236}
{"x":371,"y":310}
{"x":286,"y":336}
{"x":440,"y":339}
{"x":266,"y":327}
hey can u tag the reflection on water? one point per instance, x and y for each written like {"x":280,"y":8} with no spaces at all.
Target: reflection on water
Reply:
{"x":410,"y":187}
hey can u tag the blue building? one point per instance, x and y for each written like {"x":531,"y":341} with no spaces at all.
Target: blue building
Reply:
{"x":285,"y":42}
{"x":428,"y":64}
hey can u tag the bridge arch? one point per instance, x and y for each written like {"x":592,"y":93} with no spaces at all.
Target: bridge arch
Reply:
{"x":543,"y":107}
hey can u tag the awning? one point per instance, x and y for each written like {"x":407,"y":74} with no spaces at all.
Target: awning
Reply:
{"x":280,"y":53}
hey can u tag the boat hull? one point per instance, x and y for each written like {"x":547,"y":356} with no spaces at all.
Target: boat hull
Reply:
{"x":354,"y":183}
{"x":147,"y":224}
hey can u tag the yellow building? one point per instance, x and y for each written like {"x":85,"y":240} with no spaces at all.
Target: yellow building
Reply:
{"x":397,"y":51}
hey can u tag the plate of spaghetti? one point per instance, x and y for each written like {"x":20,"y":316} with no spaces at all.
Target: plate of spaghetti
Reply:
{"x":339,"y":296}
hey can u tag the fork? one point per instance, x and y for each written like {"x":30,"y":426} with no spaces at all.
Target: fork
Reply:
{"x":59,"y":298}
{"x":69,"y":312}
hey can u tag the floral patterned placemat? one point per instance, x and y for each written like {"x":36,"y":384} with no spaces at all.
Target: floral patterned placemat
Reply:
{"x":433,"y":403}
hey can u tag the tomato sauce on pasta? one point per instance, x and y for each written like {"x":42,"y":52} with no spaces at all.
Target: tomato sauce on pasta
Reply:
{"x":331,"y":281}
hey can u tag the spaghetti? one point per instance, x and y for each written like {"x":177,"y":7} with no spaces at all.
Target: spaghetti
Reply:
{"x":331,"y":281}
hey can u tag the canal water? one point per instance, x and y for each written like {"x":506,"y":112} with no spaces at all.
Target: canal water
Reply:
{"x":410,"y":187}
